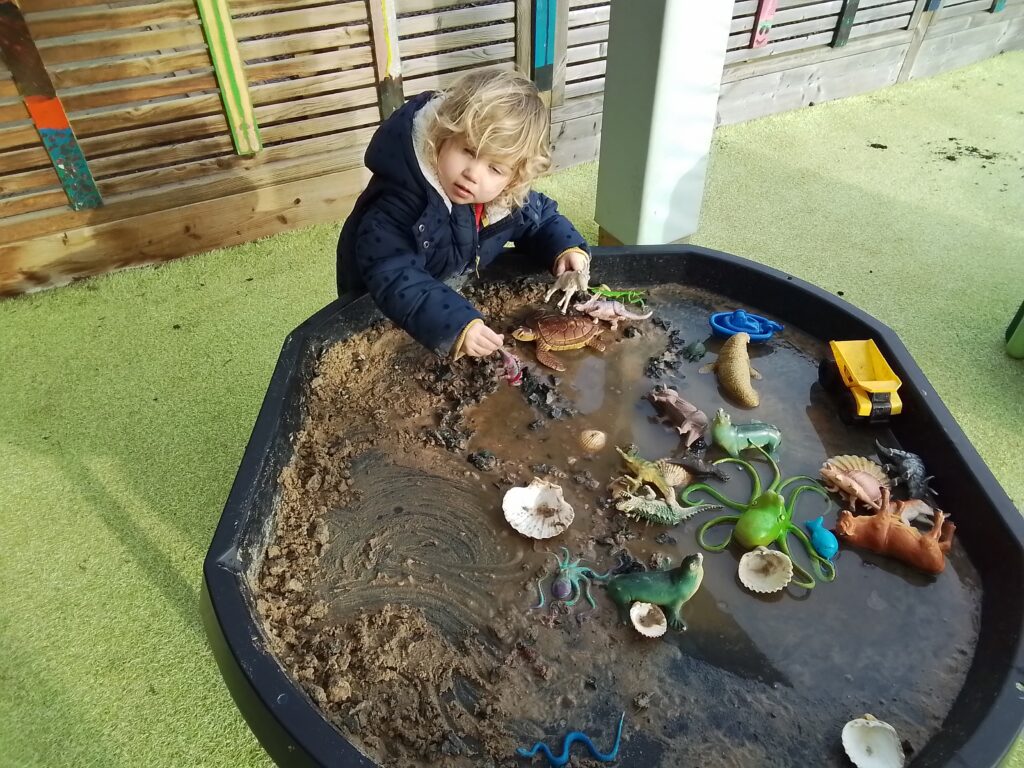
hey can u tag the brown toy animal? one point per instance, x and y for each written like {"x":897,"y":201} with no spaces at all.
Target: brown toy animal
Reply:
{"x":885,"y":532}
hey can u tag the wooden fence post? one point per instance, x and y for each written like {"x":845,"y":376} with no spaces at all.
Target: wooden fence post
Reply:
{"x":919,"y":22}
{"x":386,"y":56}
{"x":33,"y":82}
{"x":524,"y":36}
{"x":561,"y":53}
{"x":845,"y":23}
{"x":230,"y":72}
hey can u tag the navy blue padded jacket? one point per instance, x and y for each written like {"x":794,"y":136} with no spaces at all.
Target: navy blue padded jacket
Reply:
{"x":404,"y":236}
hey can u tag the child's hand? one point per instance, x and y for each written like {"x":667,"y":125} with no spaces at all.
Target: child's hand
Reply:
{"x":481,"y":341}
{"x":575,"y":261}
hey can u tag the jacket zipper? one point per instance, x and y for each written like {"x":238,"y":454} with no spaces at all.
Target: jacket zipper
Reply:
{"x":497,"y":226}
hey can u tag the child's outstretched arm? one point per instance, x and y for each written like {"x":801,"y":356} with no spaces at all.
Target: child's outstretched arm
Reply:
{"x":392,"y":263}
{"x":550,"y":235}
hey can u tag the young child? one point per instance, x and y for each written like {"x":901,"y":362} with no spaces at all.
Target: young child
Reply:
{"x":450,"y":187}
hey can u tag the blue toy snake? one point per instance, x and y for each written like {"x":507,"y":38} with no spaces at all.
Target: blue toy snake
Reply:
{"x":559,"y":760}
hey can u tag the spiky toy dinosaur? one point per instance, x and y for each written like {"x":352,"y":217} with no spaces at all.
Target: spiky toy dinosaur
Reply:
{"x":648,"y":508}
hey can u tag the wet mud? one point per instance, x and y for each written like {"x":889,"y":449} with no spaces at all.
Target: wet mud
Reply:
{"x":394,"y":591}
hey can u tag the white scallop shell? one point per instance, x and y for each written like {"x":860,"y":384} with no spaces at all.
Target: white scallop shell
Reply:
{"x":765,"y":570}
{"x":593,"y":440}
{"x":537,"y":510}
{"x":870,"y":743}
{"x":849,"y":463}
{"x":648,"y":619}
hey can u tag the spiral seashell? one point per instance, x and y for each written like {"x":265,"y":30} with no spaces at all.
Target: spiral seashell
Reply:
{"x":765,"y":570}
{"x":870,"y":743}
{"x":849,"y":463}
{"x":593,"y":440}
{"x":537,"y":510}
{"x":648,"y":619}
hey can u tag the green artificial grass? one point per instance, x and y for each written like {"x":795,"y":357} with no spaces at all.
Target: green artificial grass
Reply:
{"x":128,"y":399}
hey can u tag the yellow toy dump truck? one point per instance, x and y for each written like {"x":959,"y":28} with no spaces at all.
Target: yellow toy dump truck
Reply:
{"x":862,"y":379}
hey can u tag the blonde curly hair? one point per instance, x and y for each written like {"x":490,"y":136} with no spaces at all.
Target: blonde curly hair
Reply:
{"x":501,"y":116}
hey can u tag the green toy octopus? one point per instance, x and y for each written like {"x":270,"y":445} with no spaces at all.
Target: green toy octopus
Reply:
{"x":765,"y":518}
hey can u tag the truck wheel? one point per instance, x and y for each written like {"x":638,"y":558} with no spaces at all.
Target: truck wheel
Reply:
{"x":828,"y":375}
{"x":848,"y":407}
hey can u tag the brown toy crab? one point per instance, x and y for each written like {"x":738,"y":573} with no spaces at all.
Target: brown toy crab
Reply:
{"x":555,"y":333}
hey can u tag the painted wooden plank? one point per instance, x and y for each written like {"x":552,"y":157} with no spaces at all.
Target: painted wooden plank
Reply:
{"x":788,"y":15}
{"x":545,"y":16}
{"x":763,"y":21}
{"x":845,"y":23}
{"x":998,"y":6}
{"x":933,"y":5}
{"x":22,"y":58}
{"x":386,"y":55}
{"x":230,"y":72}
{"x":78,"y":252}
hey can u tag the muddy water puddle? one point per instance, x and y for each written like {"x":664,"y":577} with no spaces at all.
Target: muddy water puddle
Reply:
{"x":753,"y":681}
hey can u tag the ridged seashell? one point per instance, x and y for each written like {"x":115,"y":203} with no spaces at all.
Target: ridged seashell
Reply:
{"x":848,"y":463}
{"x":870,"y":743}
{"x":593,"y":440}
{"x":674,"y":474}
{"x":765,"y":570}
{"x":537,"y":510}
{"x":648,"y":619}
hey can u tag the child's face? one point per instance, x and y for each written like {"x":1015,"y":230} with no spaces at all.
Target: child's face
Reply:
{"x":467,"y":178}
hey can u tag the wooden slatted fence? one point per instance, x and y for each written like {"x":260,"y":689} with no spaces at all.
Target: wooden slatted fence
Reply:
{"x":137,"y":82}
{"x":441,"y":39}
